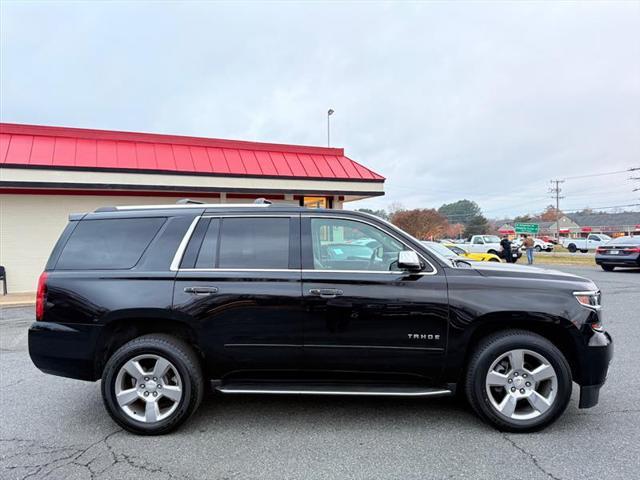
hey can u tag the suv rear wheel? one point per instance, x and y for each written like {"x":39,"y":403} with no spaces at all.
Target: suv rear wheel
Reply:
{"x":152,"y":384}
{"x":518,"y":381}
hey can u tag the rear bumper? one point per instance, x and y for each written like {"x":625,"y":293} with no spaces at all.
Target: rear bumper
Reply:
{"x":66,"y":350}
{"x":618,"y":260}
{"x":595,"y":366}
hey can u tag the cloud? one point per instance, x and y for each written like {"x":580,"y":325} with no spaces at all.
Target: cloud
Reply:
{"x":486,"y":101}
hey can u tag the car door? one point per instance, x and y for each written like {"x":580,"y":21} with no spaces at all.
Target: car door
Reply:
{"x":593,"y":241}
{"x":364,"y":315}
{"x":477,"y":245}
{"x":239,"y":282}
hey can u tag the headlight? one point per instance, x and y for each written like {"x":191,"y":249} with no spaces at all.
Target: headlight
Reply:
{"x":590,"y":299}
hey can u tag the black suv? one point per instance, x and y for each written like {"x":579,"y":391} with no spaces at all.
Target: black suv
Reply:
{"x":159,"y":301}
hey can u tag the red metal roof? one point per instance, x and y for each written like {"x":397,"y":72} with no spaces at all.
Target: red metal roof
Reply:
{"x":76,"y":148}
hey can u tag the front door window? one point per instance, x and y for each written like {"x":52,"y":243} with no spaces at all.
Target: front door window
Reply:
{"x":351,"y":245}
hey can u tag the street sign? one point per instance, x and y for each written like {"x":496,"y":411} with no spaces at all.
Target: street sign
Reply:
{"x":532,"y":228}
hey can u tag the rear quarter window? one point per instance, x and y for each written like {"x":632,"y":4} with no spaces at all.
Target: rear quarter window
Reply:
{"x":108,"y":244}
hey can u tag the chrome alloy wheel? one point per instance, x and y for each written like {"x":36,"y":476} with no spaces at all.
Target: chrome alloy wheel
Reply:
{"x":521,"y":384}
{"x":148,"y":388}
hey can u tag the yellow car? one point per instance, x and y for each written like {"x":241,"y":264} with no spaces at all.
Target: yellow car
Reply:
{"x":481,"y":257}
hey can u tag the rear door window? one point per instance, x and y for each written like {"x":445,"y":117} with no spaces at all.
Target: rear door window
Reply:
{"x":109,"y":244}
{"x":246,"y":243}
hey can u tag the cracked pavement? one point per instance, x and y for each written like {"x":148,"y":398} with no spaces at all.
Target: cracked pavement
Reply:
{"x":57,"y":428}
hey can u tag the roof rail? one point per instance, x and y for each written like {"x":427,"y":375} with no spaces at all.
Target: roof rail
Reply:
{"x":185,"y":201}
{"x":191,"y":205}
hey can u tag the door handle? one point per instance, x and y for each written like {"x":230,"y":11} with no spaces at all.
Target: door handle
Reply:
{"x":325,"y":292}
{"x":201,"y":290}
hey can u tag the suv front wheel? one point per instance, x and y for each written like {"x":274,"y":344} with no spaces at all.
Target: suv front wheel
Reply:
{"x":518,"y":381}
{"x":152,"y":384}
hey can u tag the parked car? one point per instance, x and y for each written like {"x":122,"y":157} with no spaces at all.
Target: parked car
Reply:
{"x":161,"y":302}
{"x":538,"y":244}
{"x":480,"y":257}
{"x":619,"y":252}
{"x":489,"y":244}
{"x":592,"y":242}
{"x":548,"y":239}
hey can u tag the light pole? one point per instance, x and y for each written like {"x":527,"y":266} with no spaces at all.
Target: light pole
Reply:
{"x":329,"y":113}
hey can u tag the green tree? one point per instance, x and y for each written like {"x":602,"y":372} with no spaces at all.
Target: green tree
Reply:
{"x":477,"y":226}
{"x":462,"y":211}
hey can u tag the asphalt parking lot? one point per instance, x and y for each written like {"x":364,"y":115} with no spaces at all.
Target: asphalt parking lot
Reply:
{"x":57,"y":428}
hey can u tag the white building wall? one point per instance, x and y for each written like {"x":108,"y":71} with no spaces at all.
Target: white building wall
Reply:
{"x":31,"y":224}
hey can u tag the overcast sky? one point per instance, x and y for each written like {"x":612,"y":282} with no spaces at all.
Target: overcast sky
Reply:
{"x":486,"y":101}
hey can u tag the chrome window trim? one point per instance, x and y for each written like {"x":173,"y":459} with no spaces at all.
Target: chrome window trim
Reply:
{"x":248,"y":215}
{"x":355,"y":219}
{"x":175,"y":264}
{"x":177,"y":258}
{"x":303,"y":270}
{"x":239,"y":270}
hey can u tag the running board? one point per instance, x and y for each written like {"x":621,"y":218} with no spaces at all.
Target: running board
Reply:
{"x":332,"y":389}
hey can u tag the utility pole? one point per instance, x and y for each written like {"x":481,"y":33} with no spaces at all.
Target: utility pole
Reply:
{"x":555,"y":190}
{"x":637,"y":179}
{"x":329,"y":113}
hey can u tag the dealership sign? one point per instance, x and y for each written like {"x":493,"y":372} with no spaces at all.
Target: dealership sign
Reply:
{"x":532,"y":228}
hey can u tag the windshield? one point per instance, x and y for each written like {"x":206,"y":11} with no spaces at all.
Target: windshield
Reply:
{"x":491,"y":239}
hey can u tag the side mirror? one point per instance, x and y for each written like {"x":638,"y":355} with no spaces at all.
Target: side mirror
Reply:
{"x":409,"y":260}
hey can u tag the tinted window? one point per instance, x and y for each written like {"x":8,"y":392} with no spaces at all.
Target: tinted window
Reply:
{"x":254,"y":243}
{"x":350,"y":245}
{"x":108,"y":244}
{"x":208,"y":250}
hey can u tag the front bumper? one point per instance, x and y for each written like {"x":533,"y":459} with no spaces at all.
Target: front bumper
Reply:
{"x":66,"y":350}
{"x":594,"y":361}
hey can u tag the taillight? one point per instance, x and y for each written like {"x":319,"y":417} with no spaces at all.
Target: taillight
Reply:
{"x":632,"y":250}
{"x":41,"y":295}
{"x":600,"y":250}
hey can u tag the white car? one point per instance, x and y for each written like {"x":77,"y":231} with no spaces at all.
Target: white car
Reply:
{"x":592,"y":242}
{"x":538,"y":244}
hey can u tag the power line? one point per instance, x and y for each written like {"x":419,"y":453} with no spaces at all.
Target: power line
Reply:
{"x":605,"y":208}
{"x":633,"y":169}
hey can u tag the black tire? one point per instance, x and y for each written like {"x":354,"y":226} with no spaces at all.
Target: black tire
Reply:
{"x":493,"y":260}
{"x":538,"y":248}
{"x":608,"y":268}
{"x":493,"y":252}
{"x":491,"y":348}
{"x":584,"y":251}
{"x":572,"y":248}
{"x":185,"y":360}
